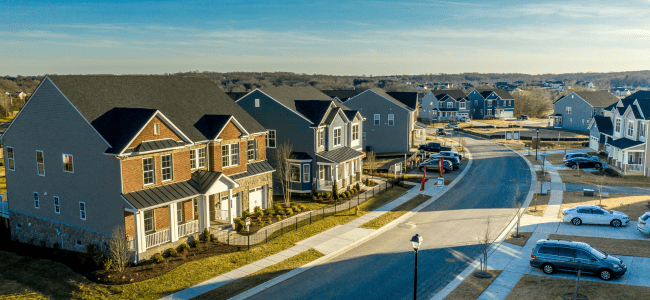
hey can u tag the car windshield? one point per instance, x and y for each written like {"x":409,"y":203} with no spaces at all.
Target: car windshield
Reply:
{"x":598,"y":253}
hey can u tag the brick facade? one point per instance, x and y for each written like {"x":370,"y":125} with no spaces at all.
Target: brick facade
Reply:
{"x":132,"y":177}
{"x":230,"y":132}
{"x":188,"y":210}
{"x":129,"y":223}
{"x":161,"y":218}
{"x":165,"y":132}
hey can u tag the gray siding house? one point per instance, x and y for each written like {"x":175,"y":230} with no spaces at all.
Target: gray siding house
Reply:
{"x":325,"y":136}
{"x":444,"y":105}
{"x":575,"y":110}
{"x":90,"y":153}
{"x":491,"y":103}
{"x":390,"y":124}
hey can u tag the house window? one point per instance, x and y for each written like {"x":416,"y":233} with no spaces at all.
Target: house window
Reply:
{"x":630,"y":128}
{"x":641,"y":129}
{"x":441,"y":104}
{"x":57,"y":207}
{"x":321,"y":137}
{"x":481,"y":112}
{"x":37,"y":202}
{"x":270,"y":139}
{"x":195,"y":203}
{"x":257,"y":102}
{"x":305,"y":173}
{"x":148,"y":221}
{"x":337,"y":137}
{"x":192,"y":159}
{"x":568,"y":110}
{"x":230,"y":155}
{"x":475,"y":102}
{"x":166,"y":167}
{"x":363,"y":134}
{"x":431,"y":104}
{"x":391,"y":119}
{"x":67,"y":163}
{"x":377,"y":119}
{"x":82,"y":210}
{"x":450,"y":105}
{"x":201,"y":157}
{"x":10,"y":158}
{"x":618,"y":125}
{"x":156,"y":129}
{"x":321,"y":172}
{"x":355,"y":132}
{"x":40,"y":163}
{"x":489,"y":103}
{"x":197,"y":158}
{"x":252,"y":149}
{"x":179,"y":212}
{"x":583,"y":121}
{"x":462,"y":105}
{"x":593,"y":113}
{"x":294,"y":170}
{"x":147,"y":170}
{"x":571,"y":120}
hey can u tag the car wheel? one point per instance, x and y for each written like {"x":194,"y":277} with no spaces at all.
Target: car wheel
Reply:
{"x":597,"y":166}
{"x":548,"y":269}
{"x":616,"y":223}
{"x":605,"y":274}
{"x":576,"y":221}
{"x":574,"y":167}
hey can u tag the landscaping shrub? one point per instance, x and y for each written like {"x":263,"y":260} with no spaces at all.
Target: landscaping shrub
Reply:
{"x":288,"y":211}
{"x":328,"y":195}
{"x":172,"y":252}
{"x":278,"y":207}
{"x":295,"y":208}
{"x":196,"y":243}
{"x":185,"y":247}
{"x":107,"y":264}
{"x":158,"y":258}
{"x":259,"y":213}
{"x":269,"y":221}
{"x":245,"y":214}
{"x":239,"y":224}
{"x":335,"y":189}
{"x":270,"y":211}
{"x":357,"y":187}
{"x":206,"y":235}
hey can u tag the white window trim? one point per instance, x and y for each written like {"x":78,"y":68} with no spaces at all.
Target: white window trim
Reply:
{"x":153,"y":221}
{"x":12,"y":159}
{"x":321,"y":172}
{"x":357,"y":133}
{"x":257,"y":102}
{"x":568,"y":110}
{"x":299,"y":173}
{"x":462,"y":105}
{"x":617,"y":125}
{"x":335,"y":137}
{"x":194,"y":161}
{"x":37,"y":200}
{"x":630,"y":128}
{"x":254,"y":149}
{"x":156,"y":129}
{"x":171,"y":168}
{"x":83,"y":213}
{"x":63,"y":155}
{"x":377,"y":119}
{"x":180,"y":208}
{"x":57,"y":205}
{"x":268,"y":138}
{"x":320,"y":142}
{"x":306,"y":173}
{"x":153,"y":170}
{"x":42,"y":155}
{"x":230,"y":156}
{"x":391,"y":119}
{"x":198,"y":157}
{"x":450,"y":105}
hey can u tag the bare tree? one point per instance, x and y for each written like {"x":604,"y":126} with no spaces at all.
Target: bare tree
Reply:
{"x":518,"y":205}
{"x":600,"y":185}
{"x":484,"y":246}
{"x":537,"y":190}
{"x":119,"y":249}
{"x":283,"y":154}
{"x":371,"y":162}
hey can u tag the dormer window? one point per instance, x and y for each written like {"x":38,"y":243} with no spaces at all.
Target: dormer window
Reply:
{"x":156,"y":129}
{"x":630,"y":128}
{"x":355,"y":132}
{"x":618,"y":125}
{"x":337,"y":136}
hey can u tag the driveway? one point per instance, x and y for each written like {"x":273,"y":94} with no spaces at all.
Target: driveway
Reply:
{"x":383,"y":267}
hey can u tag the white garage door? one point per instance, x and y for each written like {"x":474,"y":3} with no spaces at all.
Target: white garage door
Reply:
{"x":593,"y":143}
{"x":256,"y":198}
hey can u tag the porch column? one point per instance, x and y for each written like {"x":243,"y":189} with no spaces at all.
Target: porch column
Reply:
{"x":204,"y":212}
{"x":231,"y":205}
{"x":140,"y":237}
{"x":173,"y":222}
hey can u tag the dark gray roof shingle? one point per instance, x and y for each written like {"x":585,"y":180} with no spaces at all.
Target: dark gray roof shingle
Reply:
{"x":409,"y":99}
{"x":113,"y":126}
{"x":314,"y":110}
{"x":602,"y":123}
{"x":162,"y":194}
{"x":639,"y":95}
{"x":598,"y":98}
{"x":341,"y":94}
{"x":158,"y":145}
{"x":456,"y":94}
{"x":624,"y":143}
{"x":253,"y":169}
{"x":503,"y":94}
{"x":340,"y":155}
{"x":383,"y":93}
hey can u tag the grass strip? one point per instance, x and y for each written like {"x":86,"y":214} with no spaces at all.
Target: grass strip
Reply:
{"x":519,"y":241}
{"x":534,"y":287}
{"x":65,"y":283}
{"x":611,"y":246}
{"x":239,"y":286}
{"x":538,"y":205}
{"x":472,"y":287}
{"x":396,"y":212}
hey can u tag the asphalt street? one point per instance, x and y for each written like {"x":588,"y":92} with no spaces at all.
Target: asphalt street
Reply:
{"x":383,"y":268}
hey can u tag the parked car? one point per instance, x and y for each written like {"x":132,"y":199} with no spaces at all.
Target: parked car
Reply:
{"x":451,"y":154}
{"x":592,"y":214}
{"x":552,"y":255}
{"x":440,"y":131}
{"x":451,"y":125}
{"x":582,"y":162}
{"x":432,"y":165}
{"x":433,"y":147}
{"x":455,"y":162}
{"x":644,"y":223}
{"x":523,"y":117}
{"x":580,"y":155}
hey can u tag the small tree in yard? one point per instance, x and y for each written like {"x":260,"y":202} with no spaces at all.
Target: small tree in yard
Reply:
{"x":371,"y":162}
{"x":283,"y":154}
{"x":601,"y":182}
{"x":335,"y":191}
{"x":484,"y":246}
{"x":119,"y":249}
{"x":518,"y":205}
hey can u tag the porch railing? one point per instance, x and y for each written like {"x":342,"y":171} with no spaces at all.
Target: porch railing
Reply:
{"x":634,"y":168}
{"x":131,"y":242}
{"x":325,"y":183}
{"x":157,"y":238}
{"x":188,"y":228}
{"x":223,"y":215}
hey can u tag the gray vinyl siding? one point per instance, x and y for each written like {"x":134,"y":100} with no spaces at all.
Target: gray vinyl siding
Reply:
{"x":475,"y":109}
{"x":580,"y":110}
{"x":382,"y":138}
{"x":593,"y":132}
{"x":50,"y":123}
{"x":289,"y":127}
{"x":357,"y":119}
{"x":338,"y":122}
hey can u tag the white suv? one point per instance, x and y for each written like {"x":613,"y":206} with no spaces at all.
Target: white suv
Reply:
{"x":451,"y":154}
{"x":644,"y":223}
{"x":592,"y":214}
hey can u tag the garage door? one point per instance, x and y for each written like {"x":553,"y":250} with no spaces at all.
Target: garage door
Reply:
{"x":256,"y":198}
{"x":593,"y":143}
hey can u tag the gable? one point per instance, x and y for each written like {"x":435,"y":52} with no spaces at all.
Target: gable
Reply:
{"x":372,"y":101}
{"x":230,"y":132}
{"x":147,"y":133}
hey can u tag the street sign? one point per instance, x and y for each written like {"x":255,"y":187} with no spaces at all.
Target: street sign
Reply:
{"x":441,"y":181}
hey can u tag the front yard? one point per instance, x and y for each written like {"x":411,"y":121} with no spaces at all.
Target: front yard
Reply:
{"x":573,"y":176}
{"x":632,"y":205}
{"x":537,"y":206}
{"x":611,"y":246}
{"x":535,"y":287}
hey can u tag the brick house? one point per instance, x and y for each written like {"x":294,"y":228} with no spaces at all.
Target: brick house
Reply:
{"x":90,"y":153}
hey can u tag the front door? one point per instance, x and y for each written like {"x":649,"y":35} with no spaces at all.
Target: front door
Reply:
{"x":235,"y":207}
{"x":222,"y":213}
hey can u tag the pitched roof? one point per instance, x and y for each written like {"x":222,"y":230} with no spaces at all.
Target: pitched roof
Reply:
{"x":341,"y":94}
{"x":602,"y":123}
{"x":644,"y":105}
{"x":289,"y":96}
{"x":236,"y":95}
{"x":314,"y":110}
{"x":624,"y":143}
{"x":456,"y":94}
{"x":158,"y":145}
{"x":163,"y":194}
{"x":639,"y":95}
{"x":351,"y":114}
{"x":96,"y":95}
{"x":558,"y":99}
{"x":410,"y":99}
{"x":205,"y":179}
{"x":253,"y":169}
{"x":118,"y":133}
{"x":340,"y":155}
{"x":597,"y":98}
{"x":383,"y":93}
{"x":503,"y":94}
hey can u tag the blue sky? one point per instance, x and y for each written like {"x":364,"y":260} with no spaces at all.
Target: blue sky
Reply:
{"x":329,"y":37}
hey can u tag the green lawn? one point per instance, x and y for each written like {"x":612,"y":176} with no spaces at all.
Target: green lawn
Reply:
{"x":7,"y":119}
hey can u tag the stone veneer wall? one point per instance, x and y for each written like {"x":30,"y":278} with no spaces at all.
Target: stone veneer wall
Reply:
{"x":43,"y":233}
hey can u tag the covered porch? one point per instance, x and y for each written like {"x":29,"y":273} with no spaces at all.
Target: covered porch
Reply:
{"x":555,"y":120}
{"x":344,"y":167}
{"x":627,"y":156}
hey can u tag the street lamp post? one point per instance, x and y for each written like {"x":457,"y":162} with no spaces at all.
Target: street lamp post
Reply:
{"x":537,"y":144}
{"x":416,"y":240}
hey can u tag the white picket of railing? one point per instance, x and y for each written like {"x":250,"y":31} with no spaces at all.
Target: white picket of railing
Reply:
{"x":188,"y":228}
{"x":157,"y":238}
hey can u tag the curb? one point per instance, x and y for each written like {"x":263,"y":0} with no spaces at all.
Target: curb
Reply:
{"x":353,"y":245}
{"x":498,"y":241}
